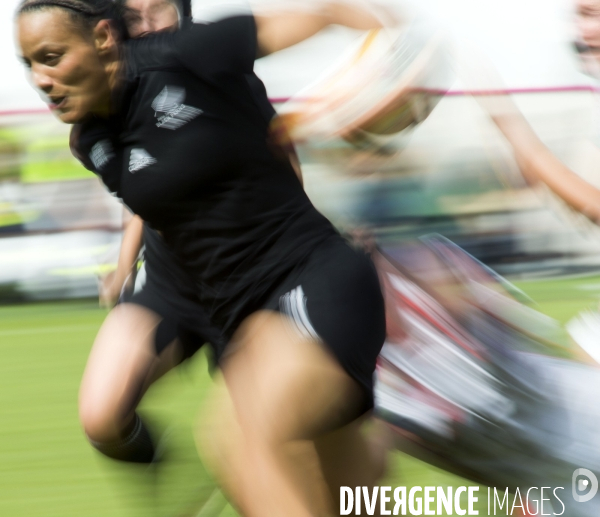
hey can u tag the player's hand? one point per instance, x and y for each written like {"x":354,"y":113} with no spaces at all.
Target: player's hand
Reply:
{"x":109,"y":287}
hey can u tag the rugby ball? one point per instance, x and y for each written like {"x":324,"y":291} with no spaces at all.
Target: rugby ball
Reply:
{"x":390,"y":80}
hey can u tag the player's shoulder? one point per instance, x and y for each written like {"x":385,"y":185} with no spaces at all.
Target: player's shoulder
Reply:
{"x":207,"y":50}
{"x":154,"y":52}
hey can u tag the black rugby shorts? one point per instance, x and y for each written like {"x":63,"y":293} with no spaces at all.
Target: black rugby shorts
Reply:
{"x":336,"y":297}
{"x":191,"y":331}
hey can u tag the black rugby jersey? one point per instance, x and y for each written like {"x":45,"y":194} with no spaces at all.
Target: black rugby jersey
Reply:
{"x":164,"y":269}
{"x":188,"y":152}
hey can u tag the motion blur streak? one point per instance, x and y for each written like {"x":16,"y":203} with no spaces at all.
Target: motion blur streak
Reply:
{"x":459,"y":146}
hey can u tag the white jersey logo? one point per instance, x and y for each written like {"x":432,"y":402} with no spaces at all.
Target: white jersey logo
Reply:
{"x":169,"y":108}
{"x":101,"y":153}
{"x":139,"y":159}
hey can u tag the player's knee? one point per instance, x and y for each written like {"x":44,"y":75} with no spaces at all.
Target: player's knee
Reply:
{"x":100,"y":422}
{"x":131,"y":443}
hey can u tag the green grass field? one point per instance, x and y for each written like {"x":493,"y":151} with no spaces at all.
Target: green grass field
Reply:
{"x":48,"y":470}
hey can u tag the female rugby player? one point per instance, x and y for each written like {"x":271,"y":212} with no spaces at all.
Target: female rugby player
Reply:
{"x":301,"y":311}
{"x":159,"y":326}
{"x":163,"y":314}
{"x":162,"y":323}
{"x":541,"y":167}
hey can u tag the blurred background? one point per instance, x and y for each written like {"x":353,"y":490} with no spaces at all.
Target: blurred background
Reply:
{"x":60,"y":230}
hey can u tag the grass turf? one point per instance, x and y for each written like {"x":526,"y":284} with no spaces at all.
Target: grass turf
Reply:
{"x":47,"y":468}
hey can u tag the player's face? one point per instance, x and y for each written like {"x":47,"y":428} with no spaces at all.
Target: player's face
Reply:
{"x":588,"y":22}
{"x":146,"y":16}
{"x":65,"y":65}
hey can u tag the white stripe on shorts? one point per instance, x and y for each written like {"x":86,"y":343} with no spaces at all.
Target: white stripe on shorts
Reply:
{"x":293,"y":304}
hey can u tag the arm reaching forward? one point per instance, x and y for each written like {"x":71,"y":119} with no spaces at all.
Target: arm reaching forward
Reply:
{"x":539,"y":164}
{"x":283,"y":29}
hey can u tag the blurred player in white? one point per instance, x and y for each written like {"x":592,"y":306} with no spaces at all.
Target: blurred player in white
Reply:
{"x":541,"y":167}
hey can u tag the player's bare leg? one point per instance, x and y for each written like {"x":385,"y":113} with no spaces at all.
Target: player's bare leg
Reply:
{"x":122,"y":365}
{"x":286,"y":389}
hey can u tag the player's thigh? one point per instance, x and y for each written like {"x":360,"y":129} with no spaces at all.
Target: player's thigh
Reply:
{"x":285,"y":386}
{"x":348,"y":457}
{"x":223,"y":447}
{"x":121,"y":365}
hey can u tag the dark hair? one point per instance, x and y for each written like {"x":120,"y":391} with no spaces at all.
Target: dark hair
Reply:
{"x":86,"y":13}
{"x":184,"y":7}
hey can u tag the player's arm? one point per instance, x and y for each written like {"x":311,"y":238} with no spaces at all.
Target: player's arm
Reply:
{"x":539,"y":164}
{"x":131,"y":244}
{"x":279,"y":30}
{"x":282,"y":145}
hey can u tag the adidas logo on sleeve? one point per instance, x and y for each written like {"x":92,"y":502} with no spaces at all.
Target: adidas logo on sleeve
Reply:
{"x":139,"y":159}
{"x":101,"y":154}
{"x":169,"y":108}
